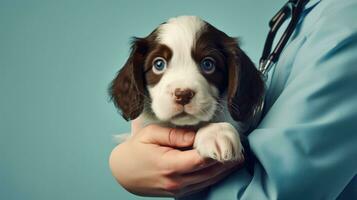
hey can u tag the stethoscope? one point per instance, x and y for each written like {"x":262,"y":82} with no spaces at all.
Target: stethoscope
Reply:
{"x":294,"y":9}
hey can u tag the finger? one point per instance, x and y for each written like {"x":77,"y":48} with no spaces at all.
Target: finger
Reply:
{"x":208,"y":162}
{"x":182,"y":162}
{"x":167,"y":136}
{"x":190,"y":189}
{"x":206,"y":174}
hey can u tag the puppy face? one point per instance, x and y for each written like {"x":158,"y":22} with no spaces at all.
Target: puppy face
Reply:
{"x":184,"y":73}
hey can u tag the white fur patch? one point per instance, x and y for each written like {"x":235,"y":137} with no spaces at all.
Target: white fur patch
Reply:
{"x":180,"y":33}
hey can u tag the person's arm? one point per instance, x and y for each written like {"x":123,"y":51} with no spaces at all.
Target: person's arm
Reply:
{"x":306,"y":145}
{"x":150,"y":164}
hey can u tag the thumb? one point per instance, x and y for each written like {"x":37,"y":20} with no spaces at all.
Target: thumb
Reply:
{"x":167,"y":136}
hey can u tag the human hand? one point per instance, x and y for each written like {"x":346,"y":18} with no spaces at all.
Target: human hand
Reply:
{"x":149,"y":163}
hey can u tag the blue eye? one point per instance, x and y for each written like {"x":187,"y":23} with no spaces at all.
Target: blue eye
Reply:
{"x":208,"y":65}
{"x":159,"y":65}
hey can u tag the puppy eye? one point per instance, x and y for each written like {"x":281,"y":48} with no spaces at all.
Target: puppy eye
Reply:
{"x":159,"y":65}
{"x":208,"y":65}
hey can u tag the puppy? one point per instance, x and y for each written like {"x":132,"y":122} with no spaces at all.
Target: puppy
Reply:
{"x":187,"y":73}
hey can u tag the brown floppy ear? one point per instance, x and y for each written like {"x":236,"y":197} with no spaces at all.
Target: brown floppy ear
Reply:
{"x":127,"y":89}
{"x":245,"y":84}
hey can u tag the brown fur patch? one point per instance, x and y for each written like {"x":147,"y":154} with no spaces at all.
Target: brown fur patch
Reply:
{"x":128,"y":89}
{"x":158,"y":50}
{"x":210,"y":44}
{"x":235,"y":72}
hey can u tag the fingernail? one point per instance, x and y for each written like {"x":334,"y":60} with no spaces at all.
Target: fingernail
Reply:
{"x":188,"y":137}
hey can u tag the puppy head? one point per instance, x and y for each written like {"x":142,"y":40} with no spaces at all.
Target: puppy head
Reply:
{"x":182,"y":71}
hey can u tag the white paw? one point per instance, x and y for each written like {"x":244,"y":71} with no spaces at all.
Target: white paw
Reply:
{"x":219,"y":141}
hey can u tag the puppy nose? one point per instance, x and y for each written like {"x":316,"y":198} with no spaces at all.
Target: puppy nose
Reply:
{"x":183,"y":97}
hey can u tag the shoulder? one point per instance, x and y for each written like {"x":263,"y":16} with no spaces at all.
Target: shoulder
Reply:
{"x":330,"y":33}
{"x":333,"y":17}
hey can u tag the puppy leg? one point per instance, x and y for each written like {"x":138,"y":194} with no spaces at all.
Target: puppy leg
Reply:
{"x":219,"y":141}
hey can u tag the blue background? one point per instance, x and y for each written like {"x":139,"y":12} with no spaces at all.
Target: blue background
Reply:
{"x":56,"y":61}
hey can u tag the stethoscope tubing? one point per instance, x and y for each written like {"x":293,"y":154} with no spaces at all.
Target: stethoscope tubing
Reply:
{"x":269,"y":58}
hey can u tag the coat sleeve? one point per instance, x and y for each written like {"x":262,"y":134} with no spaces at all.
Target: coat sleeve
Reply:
{"x":306,"y":145}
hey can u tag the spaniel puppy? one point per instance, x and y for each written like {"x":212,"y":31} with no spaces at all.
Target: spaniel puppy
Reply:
{"x":189,"y":74}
